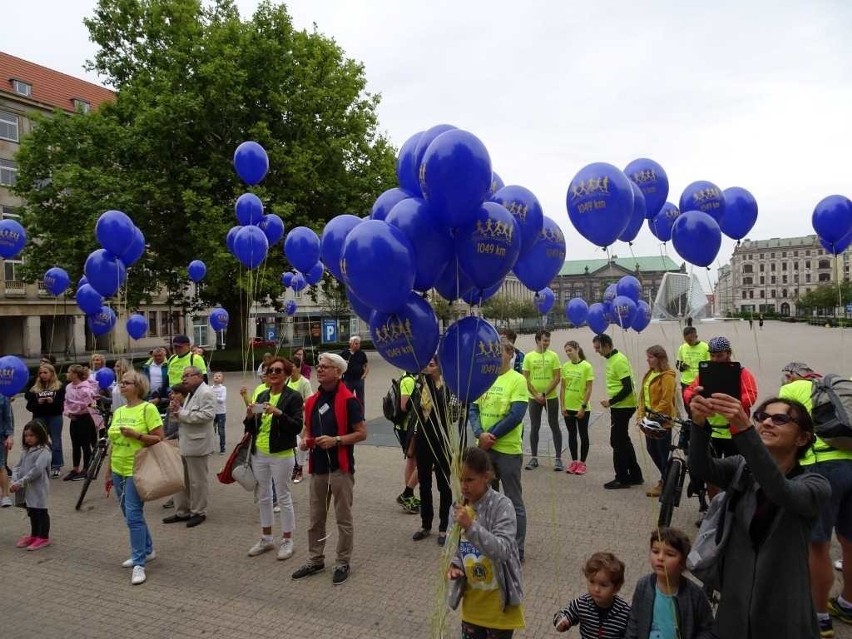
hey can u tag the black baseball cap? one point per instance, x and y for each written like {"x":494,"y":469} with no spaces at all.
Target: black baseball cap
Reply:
{"x":180,"y":339}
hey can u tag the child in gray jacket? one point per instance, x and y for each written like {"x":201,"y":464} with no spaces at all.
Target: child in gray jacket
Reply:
{"x":31,"y":474}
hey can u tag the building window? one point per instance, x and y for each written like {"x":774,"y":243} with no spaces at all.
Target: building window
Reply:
{"x":153,"y":325}
{"x":784,"y":266}
{"x":22,"y":88}
{"x":825,"y":277}
{"x":783,"y":253}
{"x":783,"y":279}
{"x":762,"y":280}
{"x":795,"y":254}
{"x":808,"y":263}
{"x":772,"y":267}
{"x":81,"y":106}
{"x":761,"y":256}
{"x":824,"y":264}
{"x":8,"y":172}
{"x":762,"y":267}
{"x":808,"y":254}
{"x":747,"y":268}
{"x":772,"y":255}
{"x":748,"y":281}
{"x":772,"y":293}
{"x":772,"y":280}
{"x":745,"y":294}
{"x":795,"y":266}
{"x":8,"y":126}
{"x":807,"y":277}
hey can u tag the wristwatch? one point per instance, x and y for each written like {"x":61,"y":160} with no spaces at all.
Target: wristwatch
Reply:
{"x":338,"y":440}
{"x":584,"y":406}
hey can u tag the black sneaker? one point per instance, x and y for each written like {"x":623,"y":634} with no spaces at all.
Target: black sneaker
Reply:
{"x":307,"y":570}
{"x":615,"y":485}
{"x":341,"y":574}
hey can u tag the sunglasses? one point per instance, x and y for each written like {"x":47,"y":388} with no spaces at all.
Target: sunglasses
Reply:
{"x":778,"y":419}
{"x":275,"y":371}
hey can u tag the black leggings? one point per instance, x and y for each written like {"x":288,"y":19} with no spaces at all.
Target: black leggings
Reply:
{"x":573,"y":424}
{"x":84,"y":438}
{"x":431,"y":457}
{"x":552,"y":407}
{"x":39,"y":522}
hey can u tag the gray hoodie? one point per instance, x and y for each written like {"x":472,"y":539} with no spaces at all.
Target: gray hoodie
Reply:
{"x":494,"y":533}
{"x":692,"y":610}
{"x":31,"y":473}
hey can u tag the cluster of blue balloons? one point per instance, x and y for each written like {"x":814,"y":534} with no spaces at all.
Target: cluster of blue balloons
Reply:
{"x":832,"y":221}
{"x":13,"y":238}
{"x":621,"y":305}
{"x":302,"y":248}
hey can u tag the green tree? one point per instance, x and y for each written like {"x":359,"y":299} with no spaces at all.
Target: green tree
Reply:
{"x":825,"y":298}
{"x":193,"y":81}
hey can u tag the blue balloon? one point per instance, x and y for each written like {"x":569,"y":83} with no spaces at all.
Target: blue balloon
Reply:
{"x":407,"y":338}
{"x":426,"y":138}
{"x":544,"y":300}
{"x":453,"y":283}
{"x":455,"y":176}
{"x":838,"y":247}
{"x":358,"y":307}
{"x":102,"y":322}
{"x":385,"y":202}
{"x":661,"y":224}
{"x":600,"y":202}
{"x":496,"y":184}
{"x":576,"y":310}
{"x":137,"y":326}
{"x":624,"y":310}
{"x":697,"y":237}
{"x":273,"y":227}
{"x":637,"y":218}
{"x":105,"y":377}
{"x":82,"y":281}
{"x":14,"y":376}
{"x":56,"y":280}
{"x":314,"y":274}
{"x":287,"y":279}
{"x":378,"y":265}
{"x":705,"y":197}
{"x":229,"y":239}
{"x":539,"y":265}
{"x":432,"y":242}
{"x":596,"y":319}
{"x":251,"y":162}
{"x":105,"y":272}
{"x":652,"y":181}
{"x":331,"y":243}
{"x":526,"y":209}
{"x":643,"y":317}
{"x":740,"y":213}
{"x":477,"y":296}
{"x":832,"y":218}
{"x":219,"y":319}
{"x":115,"y":231}
{"x":630,"y":287}
{"x":488,"y":245}
{"x":299,"y":282}
{"x":302,"y":248}
{"x":196,"y":270}
{"x":251,"y":246}
{"x":136,"y":249}
{"x":88,"y":299}
{"x":13,"y":238}
{"x":470,"y":354}
{"x":407,"y":166}
{"x":290,"y":307}
{"x":249,"y":209}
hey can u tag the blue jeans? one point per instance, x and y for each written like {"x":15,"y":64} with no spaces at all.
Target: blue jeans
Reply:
{"x":219,"y":425}
{"x":54,"y":429}
{"x":131,"y":505}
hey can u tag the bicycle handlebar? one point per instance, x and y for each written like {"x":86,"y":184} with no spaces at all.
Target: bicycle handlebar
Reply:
{"x":661,"y":417}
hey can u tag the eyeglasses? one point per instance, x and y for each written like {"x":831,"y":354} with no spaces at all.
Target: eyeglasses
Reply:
{"x":185,"y":375}
{"x":778,"y":419}
{"x":322,"y":367}
{"x":275,"y":371}
{"x":126,"y":382}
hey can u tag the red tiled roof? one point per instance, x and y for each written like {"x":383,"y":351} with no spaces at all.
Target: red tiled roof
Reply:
{"x":51,"y":88}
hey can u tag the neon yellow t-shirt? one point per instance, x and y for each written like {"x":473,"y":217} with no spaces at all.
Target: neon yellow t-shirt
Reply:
{"x":495,"y":403}
{"x":143,"y":418}
{"x":646,"y":388}
{"x":540,"y":367}
{"x":301,"y":386}
{"x":178,"y":364}
{"x":262,"y":441}
{"x":692,"y":356}
{"x":800,"y":391}
{"x":576,"y":376}
{"x":257,"y":391}
{"x":617,"y":368}
{"x":482,"y":603}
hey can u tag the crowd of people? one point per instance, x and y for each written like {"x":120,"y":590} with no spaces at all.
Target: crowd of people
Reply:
{"x":787,"y":489}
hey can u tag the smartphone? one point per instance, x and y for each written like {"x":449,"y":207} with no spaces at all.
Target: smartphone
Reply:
{"x":257,"y":409}
{"x":720,"y":377}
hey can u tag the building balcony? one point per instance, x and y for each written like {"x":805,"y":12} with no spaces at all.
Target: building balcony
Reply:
{"x":15,"y":288}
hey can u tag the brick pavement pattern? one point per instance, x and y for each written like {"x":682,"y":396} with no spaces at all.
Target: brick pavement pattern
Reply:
{"x":203,"y":583}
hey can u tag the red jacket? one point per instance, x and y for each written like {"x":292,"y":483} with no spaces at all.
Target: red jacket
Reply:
{"x":341,"y":416}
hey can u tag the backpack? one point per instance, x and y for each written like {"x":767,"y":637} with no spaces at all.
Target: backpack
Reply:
{"x":705,"y":558}
{"x":831,"y":399}
{"x":392,"y":403}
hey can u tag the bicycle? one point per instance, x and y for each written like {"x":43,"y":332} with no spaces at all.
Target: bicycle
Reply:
{"x":99,"y":455}
{"x":676,"y":468}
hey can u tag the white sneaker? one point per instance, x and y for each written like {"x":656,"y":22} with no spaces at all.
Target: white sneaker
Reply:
{"x":138,"y":575}
{"x":285,"y":550}
{"x":276,"y":509}
{"x":261,"y":547}
{"x":128,"y":563}
{"x":5,"y":502}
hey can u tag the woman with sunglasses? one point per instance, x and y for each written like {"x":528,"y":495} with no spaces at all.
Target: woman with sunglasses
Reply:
{"x":766,"y":559}
{"x":273,"y":420}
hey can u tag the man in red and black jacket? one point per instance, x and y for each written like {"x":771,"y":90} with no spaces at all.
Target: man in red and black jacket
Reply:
{"x":334,"y":423}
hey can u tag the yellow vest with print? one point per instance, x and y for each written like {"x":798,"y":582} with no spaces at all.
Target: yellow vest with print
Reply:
{"x":800,"y":391}
{"x":495,"y":403}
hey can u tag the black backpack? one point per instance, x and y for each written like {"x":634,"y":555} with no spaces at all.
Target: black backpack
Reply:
{"x":831,"y":399}
{"x":392,"y":403}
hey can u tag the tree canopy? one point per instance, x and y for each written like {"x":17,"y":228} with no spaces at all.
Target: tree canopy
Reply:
{"x":194,"y":80}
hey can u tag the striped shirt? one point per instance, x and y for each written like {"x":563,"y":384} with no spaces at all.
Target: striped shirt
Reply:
{"x":596,"y":622}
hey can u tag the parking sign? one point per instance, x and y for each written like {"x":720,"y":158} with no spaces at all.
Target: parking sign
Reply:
{"x":329,"y":331}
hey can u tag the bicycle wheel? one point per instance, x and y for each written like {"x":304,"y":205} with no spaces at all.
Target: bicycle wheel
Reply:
{"x":91,"y":473}
{"x":669,"y":496}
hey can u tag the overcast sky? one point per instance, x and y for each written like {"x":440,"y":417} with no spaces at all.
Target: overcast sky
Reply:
{"x":754,"y":94}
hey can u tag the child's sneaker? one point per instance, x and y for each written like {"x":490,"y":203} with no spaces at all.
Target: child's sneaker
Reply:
{"x":826,"y":630}
{"x":25,"y":541}
{"x":580,"y":469}
{"x":38,"y":543}
{"x":837,"y":609}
